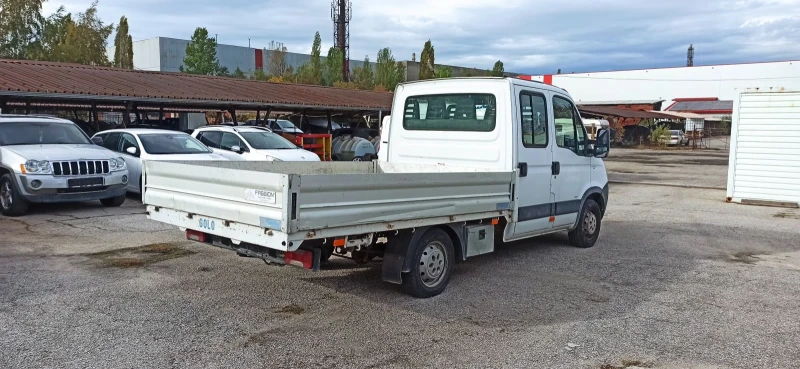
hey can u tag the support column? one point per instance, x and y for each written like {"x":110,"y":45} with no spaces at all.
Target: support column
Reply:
{"x":330,"y":122}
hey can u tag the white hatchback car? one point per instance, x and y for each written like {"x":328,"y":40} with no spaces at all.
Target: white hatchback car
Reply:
{"x":137,"y":144}
{"x":253,"y":143}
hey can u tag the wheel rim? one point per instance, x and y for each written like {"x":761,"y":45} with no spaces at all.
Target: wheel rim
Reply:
{"x":5,"y":195}
{"x":589,"y":224}
{"x":357,"y":158}
{"x":432,"y":264}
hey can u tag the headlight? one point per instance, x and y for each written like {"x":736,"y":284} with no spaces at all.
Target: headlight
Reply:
{"x":38,"y":167}
{"x":272,"y":158}
{"x":116,"y":164}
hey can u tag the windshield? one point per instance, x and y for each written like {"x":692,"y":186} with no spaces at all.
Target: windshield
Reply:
{"x":167,"y":143}
{"x":285,"y":124}
{"x":675,"y":133}
{"x":39,"y":133}
{"x":266,"y":141}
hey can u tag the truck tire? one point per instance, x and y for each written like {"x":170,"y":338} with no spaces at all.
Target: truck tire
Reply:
{"x":432,"y":262}
{"x":113,"y":202}
{"x":12,"y":204}
{"x":587,"y":230}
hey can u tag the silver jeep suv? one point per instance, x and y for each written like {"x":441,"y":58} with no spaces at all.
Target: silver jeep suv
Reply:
{"x":45,"y":159}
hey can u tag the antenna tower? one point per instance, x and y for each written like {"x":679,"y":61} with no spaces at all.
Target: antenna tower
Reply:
{"x":341,"y":14}
{"x":690,"y":56}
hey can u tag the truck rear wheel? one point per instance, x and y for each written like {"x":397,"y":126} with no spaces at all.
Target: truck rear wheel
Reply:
{"x":588,"y":229}
{"x":432,"y":264}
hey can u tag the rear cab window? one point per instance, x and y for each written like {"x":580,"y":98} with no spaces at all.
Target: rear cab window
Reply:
{"x":451,"y":112}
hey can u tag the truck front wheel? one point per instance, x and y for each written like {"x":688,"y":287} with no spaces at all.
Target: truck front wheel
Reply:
{"x":432,"y":265}
{"x":588,"y":229}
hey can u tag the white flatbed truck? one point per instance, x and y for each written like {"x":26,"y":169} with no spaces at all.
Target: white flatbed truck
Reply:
{"x":464,"y":163}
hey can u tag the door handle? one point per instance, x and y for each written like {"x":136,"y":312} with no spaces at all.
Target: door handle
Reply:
{"x":523,"y":169}
{"x":556,"y":167}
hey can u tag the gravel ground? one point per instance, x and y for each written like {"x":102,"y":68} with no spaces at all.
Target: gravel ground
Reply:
{"x":678,"y":279}
{"x":705,"y":168}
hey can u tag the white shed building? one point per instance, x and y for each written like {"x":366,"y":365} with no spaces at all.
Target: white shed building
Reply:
{"x":764,"y":165}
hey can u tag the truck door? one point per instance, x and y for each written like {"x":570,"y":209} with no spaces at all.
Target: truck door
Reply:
{"x":571,"y":167}
{"x":533,"y":197}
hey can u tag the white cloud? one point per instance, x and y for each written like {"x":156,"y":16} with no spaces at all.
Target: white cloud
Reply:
{"x":528,"y":36}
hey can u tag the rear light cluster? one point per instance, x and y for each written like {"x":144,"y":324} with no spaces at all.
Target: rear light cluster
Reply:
{"x":195,"y":235}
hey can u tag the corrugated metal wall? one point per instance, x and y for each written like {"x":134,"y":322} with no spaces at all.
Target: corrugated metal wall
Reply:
{"x":670,"y":83}
{"x":167,"y":54}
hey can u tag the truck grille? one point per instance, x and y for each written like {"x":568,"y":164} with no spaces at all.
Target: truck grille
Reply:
{"x":80,"y":168}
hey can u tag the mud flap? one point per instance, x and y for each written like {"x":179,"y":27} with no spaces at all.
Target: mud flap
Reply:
{"x":397,"y":255}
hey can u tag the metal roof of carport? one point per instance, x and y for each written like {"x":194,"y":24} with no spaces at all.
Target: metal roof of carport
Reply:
{"x":35,"y":81}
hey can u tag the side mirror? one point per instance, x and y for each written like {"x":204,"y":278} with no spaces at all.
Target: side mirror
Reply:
{"x":97,"y":141}
{"x":132,"y":150}
{"x":237,"y":149}
{"x":602,"y":144}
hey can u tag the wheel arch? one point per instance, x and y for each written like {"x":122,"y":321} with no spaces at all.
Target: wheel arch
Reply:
{"x":398,"y":254}
{"x":599,"y":195}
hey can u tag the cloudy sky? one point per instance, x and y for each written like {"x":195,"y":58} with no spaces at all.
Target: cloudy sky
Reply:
{"x":529,"y":36}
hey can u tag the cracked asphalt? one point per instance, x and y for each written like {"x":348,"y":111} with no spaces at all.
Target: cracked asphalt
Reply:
{"x":678,"y":279}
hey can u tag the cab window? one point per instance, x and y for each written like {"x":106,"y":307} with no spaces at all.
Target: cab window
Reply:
{"x":533,"y":113}
{"x":570,"y":133}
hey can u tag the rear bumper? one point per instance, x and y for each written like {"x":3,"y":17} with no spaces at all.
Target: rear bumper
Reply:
{"x":55,"y":189}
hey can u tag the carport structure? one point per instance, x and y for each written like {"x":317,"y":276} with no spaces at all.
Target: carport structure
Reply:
{"x":621,"y":117}
{"x":32,"y":85}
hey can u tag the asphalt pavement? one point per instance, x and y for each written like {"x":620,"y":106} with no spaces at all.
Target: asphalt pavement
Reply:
{"x":678,"y":279}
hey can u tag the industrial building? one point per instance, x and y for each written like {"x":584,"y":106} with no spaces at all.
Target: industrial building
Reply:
{"x":164,"y":54}
{"x":708,"y":90}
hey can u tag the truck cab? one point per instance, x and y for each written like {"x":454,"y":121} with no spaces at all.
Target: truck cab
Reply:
{"x":506,"y":124}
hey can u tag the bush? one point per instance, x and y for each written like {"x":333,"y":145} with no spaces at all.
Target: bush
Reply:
{"x":660,"y":135}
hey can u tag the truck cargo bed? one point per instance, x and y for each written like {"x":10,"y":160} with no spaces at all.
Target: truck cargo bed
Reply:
{"x":279,"y":204}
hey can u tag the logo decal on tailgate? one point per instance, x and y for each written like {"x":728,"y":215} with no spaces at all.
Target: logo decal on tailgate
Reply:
{"x":266,"y":197}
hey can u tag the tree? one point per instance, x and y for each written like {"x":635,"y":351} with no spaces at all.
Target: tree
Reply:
{"x":123,"y":46}
{"x":53,"y":35}
{"x":426,"y":62}
{"x":276,"y":66}
{"x":201,"y":55}
{"x":238,"y":74}
{"x":399,"y":74}
{"x":85,"y":39}
{"x":259,"y":75}
{"x":559,"y":71}
{"x":444,"y":72}
{"x":20,"y":23}
{"x":388,"y":73}
{"x":311,"y":72}
{"x":363,"y":77}
{"x":659,"y":135}
{"x":498,"y":70}
{"x":333,"y":66}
